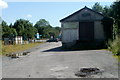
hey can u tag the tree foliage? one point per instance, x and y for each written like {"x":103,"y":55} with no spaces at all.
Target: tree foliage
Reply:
{"x":107,"y":11}
{"x":7,"y":31}
{"x":24,"y":28}
{"x":97,"y":7}
{"x":41,"y":22}
{"x":45,"y":29}
{"x":104,"y":10}
{"x":112,"y":11}
{"x":116,"y":15}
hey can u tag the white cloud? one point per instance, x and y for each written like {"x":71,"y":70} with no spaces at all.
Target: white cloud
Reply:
{"x":29,"y":16}
{"x":3,"y":4}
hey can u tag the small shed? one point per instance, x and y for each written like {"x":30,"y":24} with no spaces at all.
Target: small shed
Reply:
{"x":18,"y":40}
{"x":13,"y":40}
{"x":83,"y":26}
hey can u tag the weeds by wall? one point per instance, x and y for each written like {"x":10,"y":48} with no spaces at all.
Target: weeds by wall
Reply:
{"x":114,"y":46}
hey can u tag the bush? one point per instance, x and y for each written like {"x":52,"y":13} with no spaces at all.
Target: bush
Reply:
{"x":114,"y":46}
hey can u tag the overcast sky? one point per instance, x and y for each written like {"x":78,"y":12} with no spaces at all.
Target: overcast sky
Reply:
{"x":51,"y":11}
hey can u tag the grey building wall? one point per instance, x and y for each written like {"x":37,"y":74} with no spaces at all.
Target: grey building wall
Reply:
{"x":98,"y":31}
{"x":71,"y":35}
{"x":70,"y":26}
{"x":70,"y":32}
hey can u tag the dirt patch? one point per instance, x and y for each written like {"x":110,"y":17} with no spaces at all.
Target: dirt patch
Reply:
{"x":85,"y":72}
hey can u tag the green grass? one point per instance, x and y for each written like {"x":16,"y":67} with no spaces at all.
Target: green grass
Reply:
{"x":114,"y":46}
{"x":16,"y":48}
{"x":117,"y":57}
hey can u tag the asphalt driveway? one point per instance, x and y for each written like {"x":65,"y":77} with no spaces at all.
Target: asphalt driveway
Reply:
{"x":49,"y":61}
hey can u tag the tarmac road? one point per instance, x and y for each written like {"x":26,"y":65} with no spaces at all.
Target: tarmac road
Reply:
{"x":49,"y":61}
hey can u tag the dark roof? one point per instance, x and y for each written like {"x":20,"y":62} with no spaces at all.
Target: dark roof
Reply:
{"x":80,"y":11}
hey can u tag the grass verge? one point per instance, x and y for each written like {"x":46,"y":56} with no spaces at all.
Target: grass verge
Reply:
{"x":16,"y":48}
{"x":117,"y":57}
{"x":114,"y":46}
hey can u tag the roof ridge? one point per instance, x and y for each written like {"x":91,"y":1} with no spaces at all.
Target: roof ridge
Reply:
{"x":79,"y":11}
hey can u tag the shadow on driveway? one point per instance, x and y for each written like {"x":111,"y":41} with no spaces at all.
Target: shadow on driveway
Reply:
{"x":61,"y":49}
{"x":57,"y":49}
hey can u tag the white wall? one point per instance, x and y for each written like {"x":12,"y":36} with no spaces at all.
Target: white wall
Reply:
{"x":70,"y":25}
{"x":70,"y":35}
{"x":70,"y":31}
{"x":18,"y":40}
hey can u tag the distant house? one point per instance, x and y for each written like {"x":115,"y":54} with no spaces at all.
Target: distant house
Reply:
{"x":83,"y":26}
{"x":18,"y":40}
{"x":15,"y":40}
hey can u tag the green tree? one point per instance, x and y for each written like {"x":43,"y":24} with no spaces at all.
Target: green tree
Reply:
{"x":5,"y":29}
{"x":41,"y":22}
{"x":46,"y":30}
{"x":107,"y":11}
{"x":97,"y":7}
{"x":11,"y":25}
{"x":116,"y":15}
{"x":0,"y":32}
{"x":19,"y":26}
{"x":14,"y":32}
{"x":43,"y":28}
{"x":57,"y":31}
{"x":25,"y":28}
